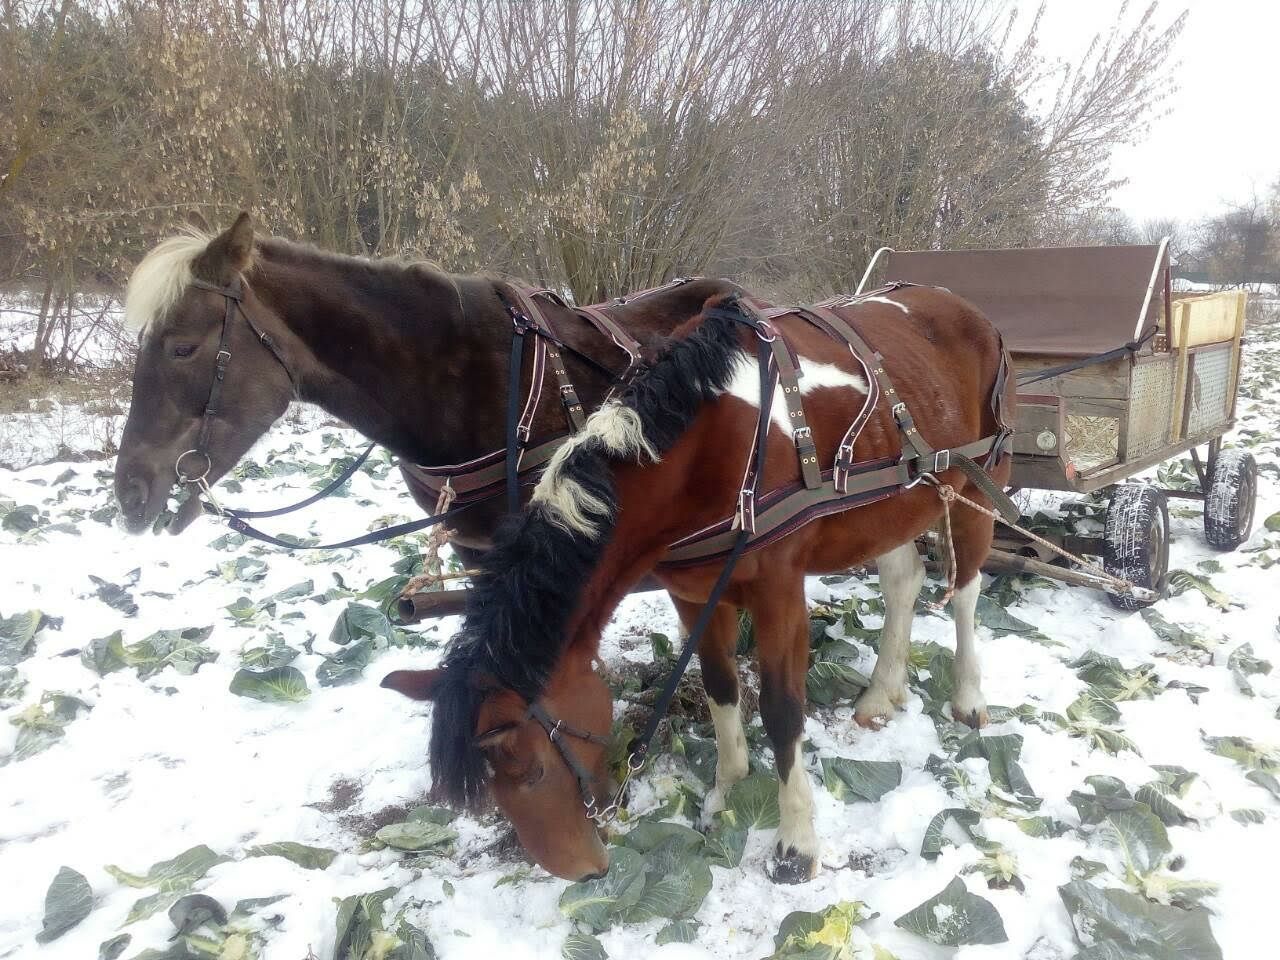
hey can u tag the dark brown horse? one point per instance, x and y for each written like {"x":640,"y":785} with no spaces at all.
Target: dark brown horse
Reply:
{"x":411,"y":356}
{"x":664,"y":462}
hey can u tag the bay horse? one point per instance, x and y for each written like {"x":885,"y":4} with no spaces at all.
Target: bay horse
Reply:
{"x":520,"y":712}
{"x":411,"y":356}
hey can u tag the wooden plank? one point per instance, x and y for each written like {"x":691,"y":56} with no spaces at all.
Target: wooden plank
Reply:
{"x":1041,"y":473}
{"x":1033,"y":420}
{"x":1095,"y":407}
{"x":1108,"y":380}
{"x":1177,"y":426}
{"x":1211,"y":318}
{"x":1237,"y":349}
{"x":1110,"y":475}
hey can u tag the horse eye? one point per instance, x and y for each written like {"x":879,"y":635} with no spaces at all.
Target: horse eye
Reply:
{"x":183,"y":350}
{"x":536,"y":776}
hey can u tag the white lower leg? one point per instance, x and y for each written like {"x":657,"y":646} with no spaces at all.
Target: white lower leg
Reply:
{"x":731,"y":754}
{"x":968,"y":705}
{"x":901,"y":576}
{"x":795,"y":807}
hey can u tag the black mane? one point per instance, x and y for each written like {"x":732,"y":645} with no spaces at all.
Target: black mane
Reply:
{"x":529,"y":583}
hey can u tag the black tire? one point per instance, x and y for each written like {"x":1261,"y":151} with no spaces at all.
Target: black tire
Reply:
{"x":1136,"y":542}
{"x":1230,"y":499}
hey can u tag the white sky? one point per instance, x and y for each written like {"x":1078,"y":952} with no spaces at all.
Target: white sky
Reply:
{"x":1221,"y":136}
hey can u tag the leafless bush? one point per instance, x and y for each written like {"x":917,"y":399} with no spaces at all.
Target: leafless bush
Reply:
{"x":594,"y":146}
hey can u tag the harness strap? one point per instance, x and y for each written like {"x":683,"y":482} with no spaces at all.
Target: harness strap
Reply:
{"x":233,"y":294}
{"x":527,"y":299}
{"x":789,"y":373}
{"x":621,"y":339}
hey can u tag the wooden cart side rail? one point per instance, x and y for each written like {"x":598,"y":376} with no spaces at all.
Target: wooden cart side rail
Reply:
{"x":1090,"y":482}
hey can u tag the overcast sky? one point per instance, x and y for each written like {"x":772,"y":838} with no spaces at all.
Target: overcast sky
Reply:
{"x":1221,"y":136}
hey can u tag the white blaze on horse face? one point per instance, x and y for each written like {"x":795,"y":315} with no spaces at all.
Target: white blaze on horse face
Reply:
{"x":619,"y":430}
{"x":745,"y":385}
{"x":795,"y":809}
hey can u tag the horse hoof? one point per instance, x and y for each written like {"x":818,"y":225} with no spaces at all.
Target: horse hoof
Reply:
{"x":872,"y":721}
{"x":792,"y":867}
{"x":975,"y":717}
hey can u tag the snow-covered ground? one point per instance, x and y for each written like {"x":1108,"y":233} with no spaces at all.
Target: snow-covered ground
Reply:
{"x":120,"y":752}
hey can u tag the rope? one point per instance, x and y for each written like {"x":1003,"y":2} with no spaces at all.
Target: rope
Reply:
{"x":432,"y":567}
{"x":947,"y":494}
{"x":951,"y":553}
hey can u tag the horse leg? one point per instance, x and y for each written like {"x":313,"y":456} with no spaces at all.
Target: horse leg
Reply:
{"x":717,"y":654}
{"x":972,"y":534}
{"x":901,"y":576}
{"x":781,"y":621}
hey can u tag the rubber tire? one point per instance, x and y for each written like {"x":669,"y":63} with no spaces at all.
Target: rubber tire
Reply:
{"x":1230,"y":500}
{"x":1136,"y":542}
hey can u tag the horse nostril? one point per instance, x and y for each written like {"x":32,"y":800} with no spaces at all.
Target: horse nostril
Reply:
{"x":134,"y":495}
{"x":600,"y":875}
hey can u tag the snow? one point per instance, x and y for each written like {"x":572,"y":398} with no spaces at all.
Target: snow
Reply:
{"x":160,"y":765}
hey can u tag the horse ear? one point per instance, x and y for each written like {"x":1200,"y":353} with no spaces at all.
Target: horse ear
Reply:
{"x":414,"y":684}
{"x":229,"y":253}
{"x":240,"y":241}
{"x":200,"y":223}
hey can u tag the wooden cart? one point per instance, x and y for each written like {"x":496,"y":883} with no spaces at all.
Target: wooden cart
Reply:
{"x":1115,"y":376}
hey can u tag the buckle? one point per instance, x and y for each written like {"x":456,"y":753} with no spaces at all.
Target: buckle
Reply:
{"x":223,"y":356}
{"x":521,"y":322}
{"x":522,"y":434}
{"x":747,"y":510}
{"x":802,"y":433}
{"x":941,"y":461}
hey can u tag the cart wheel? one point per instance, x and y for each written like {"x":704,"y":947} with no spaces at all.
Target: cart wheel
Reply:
{"x":1230,"y":499}
{"x":1136,"y":542}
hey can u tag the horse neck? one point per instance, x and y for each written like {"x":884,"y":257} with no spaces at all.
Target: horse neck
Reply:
{"x":389,"y":348}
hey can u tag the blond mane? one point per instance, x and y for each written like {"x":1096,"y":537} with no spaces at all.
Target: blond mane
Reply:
{"x":161,"y":277}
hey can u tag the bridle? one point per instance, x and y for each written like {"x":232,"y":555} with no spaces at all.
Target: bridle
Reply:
{"x":556,"y":732}
{"x":234,"y":295}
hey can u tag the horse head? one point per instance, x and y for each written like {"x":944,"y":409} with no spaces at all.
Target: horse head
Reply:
{"x":181,"y":428}
{"x":544,"y":765}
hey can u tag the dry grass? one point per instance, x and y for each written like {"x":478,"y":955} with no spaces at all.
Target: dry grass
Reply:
{"x":1092,"y":441}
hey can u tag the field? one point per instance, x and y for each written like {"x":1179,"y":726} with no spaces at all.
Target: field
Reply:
{"x":200,"y":716}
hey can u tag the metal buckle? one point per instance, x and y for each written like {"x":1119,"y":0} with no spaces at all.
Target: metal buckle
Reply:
{"x":182,"y":477}
{"x":900,"y":411}
{"x":747,"y":510}
{"x":802,"y":433}
{"x":522,"y":434}
{"x":765,"y":327}
{"x":221,"y":355}
{"x":521,"y":322}
{"x":941,"y":461}
{"x":555,"y":731}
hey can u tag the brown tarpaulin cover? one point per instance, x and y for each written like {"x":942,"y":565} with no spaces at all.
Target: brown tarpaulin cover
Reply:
{"x":1056,"y":301}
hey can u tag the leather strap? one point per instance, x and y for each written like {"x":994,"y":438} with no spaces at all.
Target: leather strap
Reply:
{"x":478,"y":479}
{"x":789,"y":373}
{"x":526,"y":298}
